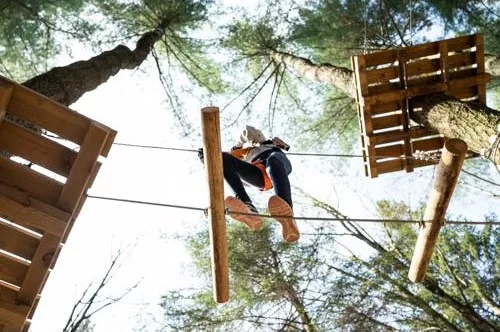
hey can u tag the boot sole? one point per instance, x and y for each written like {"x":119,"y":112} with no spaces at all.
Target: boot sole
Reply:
{"x":254,"y":223}
{"x":279,"y":207}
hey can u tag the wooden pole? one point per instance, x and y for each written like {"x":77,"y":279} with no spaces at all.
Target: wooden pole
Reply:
{"x":216,"y":214}
{"x":445,"y":180}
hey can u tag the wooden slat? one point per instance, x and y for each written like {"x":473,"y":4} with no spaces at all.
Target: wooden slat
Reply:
{"x":423,"y":66}
{"x":390,"y":166}
{"x":359,"y":109}
{"x":386,"y":122}
{"x":5,"y":96}
{"x":479,"y":59}
{"x":382,"y":88}
{"x":380,"y":58}
{"x":419,"y":51}
{"x":361,"y":79}
{"x":12,"y":314}
{"x":395,"y":150}
{"x":35,"y":148}
{"x":443,"y":61}
{"x":17,"y":242}
{"x":38,"y":269}
{"x":433,"y":143}
{"x":424,"y":80}
{"x":463,"y":93}
{"x":12,"y":271}
{"x":381,"y":75}
{"x":22,"y":177}
{"x":416,"y":91}
{"x":378,"y":109}
{"x":109,"y":142}
{"x":82,"y":169}
{"x":462,"y":59}
{"x":27,"y":204}
{"x":49,"y":114}
{"x":464,"y":73}
{"x":31,"y":216}
{"x":397,"y":135}
{"x":46,"y":113}
{"x":460,"y":43}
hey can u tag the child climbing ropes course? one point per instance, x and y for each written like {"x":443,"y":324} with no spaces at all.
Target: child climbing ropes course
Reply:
{"x":261,"y":163}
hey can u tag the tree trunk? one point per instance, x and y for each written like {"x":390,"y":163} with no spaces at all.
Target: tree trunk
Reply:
{"x":475,"y":124}
{"x":492,"y":64}
{"x":301,"y":310}
{"x":67,"y":84}
{"x":339,"y":77}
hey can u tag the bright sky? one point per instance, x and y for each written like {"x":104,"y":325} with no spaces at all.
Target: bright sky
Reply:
{"x":132,"y":103}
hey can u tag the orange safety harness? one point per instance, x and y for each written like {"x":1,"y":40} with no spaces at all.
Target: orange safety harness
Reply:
{"x":241,"y":154}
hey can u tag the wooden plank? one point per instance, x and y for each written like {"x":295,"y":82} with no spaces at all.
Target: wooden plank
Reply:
{"x":462,"y":59}
{"x":445,"y":180}
{"x":109,"y":142}
{"x":430,"y":88}
{"x":421,"y":67}
{"x":12,"y":271}
{"x":5,"y":96}
{"x":386,"y":122}
{"x":392,"y":106}
{"x":395,"y":150}
{"x":430,"y":144}
{"x":443,"y":61}
{"x":417,"y":81}
{"x":16,"y":242}
{"x":359,"y":109}
{"x":479,"y":59}
{"x":419,"y":51}
{"x":397,"y":135}
{"x":12,"y":314}
{"x":36,"y":148}
{"x":390,"y":166}
{"x":360,"y":72}
{"x":469,"y":81}
{"x":384,"y":87}
{"x":216,"y":213}
{"x":38,"y":269}
{"x":462,"y":93}
{"x":460,"y":43}
{"x":464,"y":73}
{"x":381,"y":75}
{"x":46,"y":113}
{"x":30,"y":216}
{"x":81,"y":171}
{"x":380,"y":58}
{"x":39,"y":186}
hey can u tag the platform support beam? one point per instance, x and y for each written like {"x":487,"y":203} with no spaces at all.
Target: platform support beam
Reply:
{"x":446,"y":177}
{"x":216,"y":213}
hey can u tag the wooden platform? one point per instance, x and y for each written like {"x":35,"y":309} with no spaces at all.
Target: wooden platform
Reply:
{"x":387,"y":81}
{"x":39,"y":204}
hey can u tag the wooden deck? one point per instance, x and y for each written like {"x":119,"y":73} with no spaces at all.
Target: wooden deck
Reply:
{"x":387,"y":81}
{"x":39,"y":203}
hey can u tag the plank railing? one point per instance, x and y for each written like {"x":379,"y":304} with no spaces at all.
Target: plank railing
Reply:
{"x":387,"y":81}
{"x":42,"y":188}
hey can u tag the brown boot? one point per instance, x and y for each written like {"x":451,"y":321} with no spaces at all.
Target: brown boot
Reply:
{"x":279,"y":207}
{"x":255,"y":223}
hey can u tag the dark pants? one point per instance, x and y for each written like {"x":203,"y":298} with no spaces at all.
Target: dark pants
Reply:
{"x":277,"y":165}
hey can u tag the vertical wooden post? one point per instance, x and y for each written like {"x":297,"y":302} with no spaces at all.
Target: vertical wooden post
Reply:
{"x":213,"y":166}
{"x":444,"y":183}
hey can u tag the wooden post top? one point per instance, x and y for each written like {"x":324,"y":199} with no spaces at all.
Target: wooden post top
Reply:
{"x":209,"y":109}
